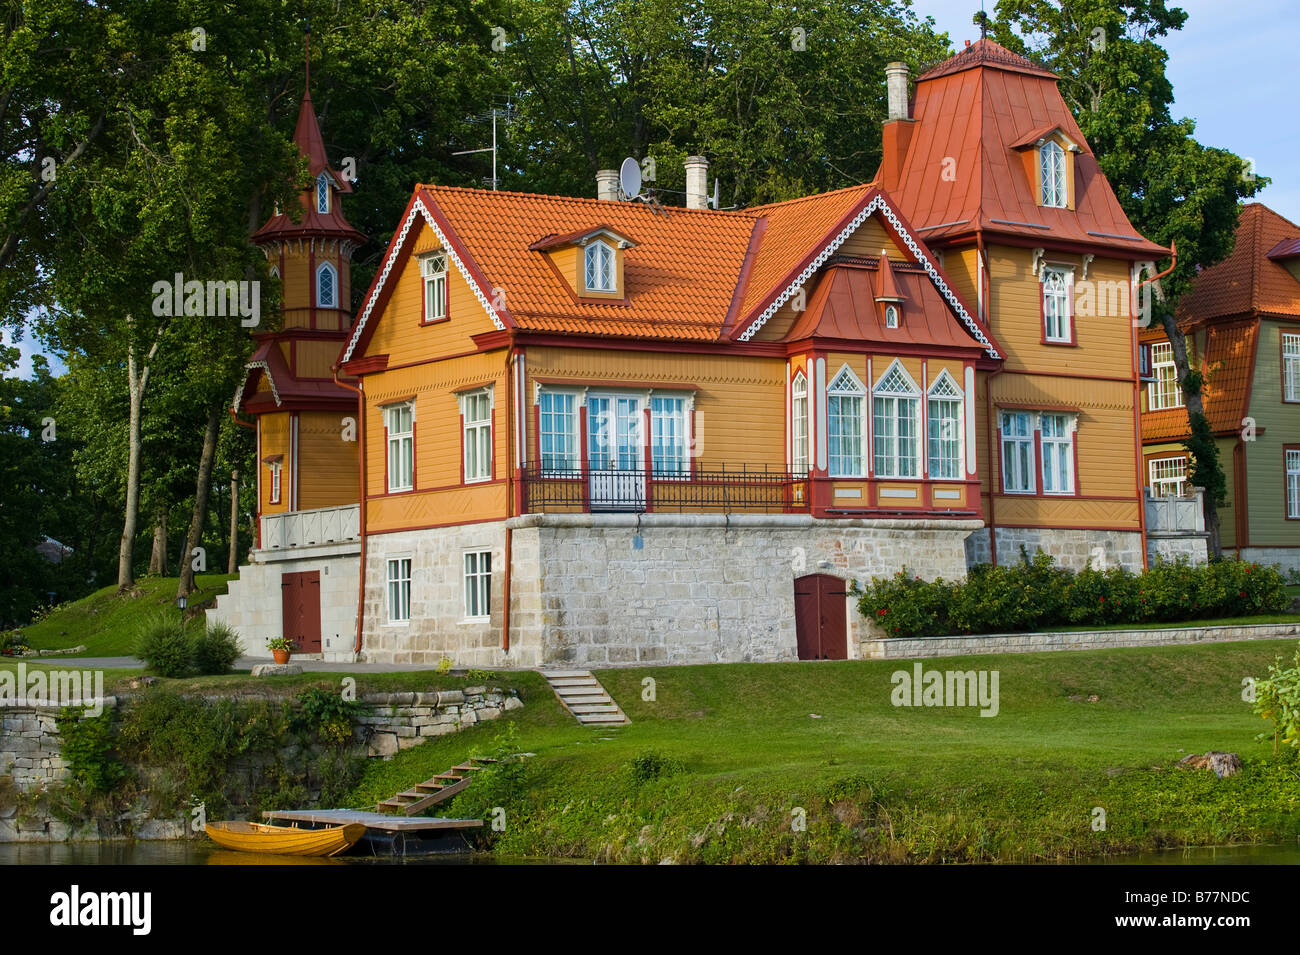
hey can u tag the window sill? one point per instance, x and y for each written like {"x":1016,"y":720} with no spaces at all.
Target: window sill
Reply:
{"x":396,"y":623}
{"x":478,"y":480}
{"x":469,"y":620}
{"x":400,"y":490}
{"x":1059,"y":342}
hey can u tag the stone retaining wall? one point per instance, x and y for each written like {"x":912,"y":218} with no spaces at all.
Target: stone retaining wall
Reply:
{"x":397,"y":721}
{"x":30,"y":747}
{"x":904,"y":648}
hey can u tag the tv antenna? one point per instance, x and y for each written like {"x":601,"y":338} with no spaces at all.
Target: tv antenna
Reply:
{"x":507,"y":114}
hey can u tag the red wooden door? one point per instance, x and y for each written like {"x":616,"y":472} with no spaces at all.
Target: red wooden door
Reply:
{"x":300,"y":602}
{"x":819,"y":620}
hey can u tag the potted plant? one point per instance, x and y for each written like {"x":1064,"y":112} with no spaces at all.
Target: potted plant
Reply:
{"x":280,"y":648}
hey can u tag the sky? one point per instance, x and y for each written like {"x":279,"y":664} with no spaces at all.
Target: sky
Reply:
{"x":1234,"y":67}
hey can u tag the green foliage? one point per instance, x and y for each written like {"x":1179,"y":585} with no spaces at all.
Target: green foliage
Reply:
{"x":325,"y":714}
{"x":88,"y":746}
{"x":166,"y":645}
{"x":1206,"y":470}
{"x":1036,"y":594}
{"x":653,"y":764}
{"x":1278,"y":699}
{"x":216,"y":649}
{"x":479,"y":676}
{"x":281,"y":643}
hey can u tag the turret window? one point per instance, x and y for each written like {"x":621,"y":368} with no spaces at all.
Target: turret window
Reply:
{"x":1051,"y":159}
{"x":323,"y":194}
{"x":327,"y":287}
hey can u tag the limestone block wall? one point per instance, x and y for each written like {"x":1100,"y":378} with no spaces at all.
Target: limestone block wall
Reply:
{"x":397,"y":721}
{"x":253,"y":604}
{"x":1173,"y":547}
{"x":1287,"y":557}
{"x":601,"y":589}
{"x":1071,"y":548}
{"x":30,"y":746}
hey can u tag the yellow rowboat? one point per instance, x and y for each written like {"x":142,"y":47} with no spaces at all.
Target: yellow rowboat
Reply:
{"x":284,"y":840}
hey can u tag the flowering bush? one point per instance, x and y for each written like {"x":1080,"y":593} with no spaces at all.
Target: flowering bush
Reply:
{"x":1036,"y":593}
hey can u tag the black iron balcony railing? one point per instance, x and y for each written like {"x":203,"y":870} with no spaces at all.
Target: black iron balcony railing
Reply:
{"x":715,"y":488}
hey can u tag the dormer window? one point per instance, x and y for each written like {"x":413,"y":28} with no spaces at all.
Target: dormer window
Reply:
{"x":323,"y":194}
{"x":327,"y":287}
{"x":1051,"y":158}
{"x":599,"y":271}
{"x":433,"y":269}
{"x":891,"y":316}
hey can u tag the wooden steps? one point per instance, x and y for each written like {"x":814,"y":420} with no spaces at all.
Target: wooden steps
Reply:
{"x":584,"y":697}
{"x":435,"y":789}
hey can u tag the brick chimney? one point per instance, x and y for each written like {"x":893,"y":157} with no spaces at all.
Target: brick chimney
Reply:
{"x":607,"y":184}
{"x":896,"y":134}
{"x":697,"y":182}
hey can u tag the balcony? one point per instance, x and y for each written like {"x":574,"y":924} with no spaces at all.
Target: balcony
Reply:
{"x":1176,"y":515}
{"x":715,"y":488}
{"x":322,"y":525}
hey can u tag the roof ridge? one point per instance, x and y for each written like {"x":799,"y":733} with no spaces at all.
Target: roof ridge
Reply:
{"x":585,"y":200}
{"x":866,"y":186}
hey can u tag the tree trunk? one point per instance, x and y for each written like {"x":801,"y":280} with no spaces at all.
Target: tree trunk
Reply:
{"x":158,"y":557}
{"x":136,"y":386}
{"x":233,"y":559}
{"x":200,"y":515}
{"x":1195,"y":405}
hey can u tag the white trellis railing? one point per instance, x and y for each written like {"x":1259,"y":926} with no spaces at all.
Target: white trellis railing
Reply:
{"x":321,"y":525}
{"x":1173,"y":515}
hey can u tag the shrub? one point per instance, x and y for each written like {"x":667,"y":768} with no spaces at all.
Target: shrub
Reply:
{"x":216,"y":649}
{"x":327,"y":715}
{"x":1035,"y":594}
{"x":1278,"y":699}
{"x":88,"y":746}
{"x":652,"y":764}
{"x":166,"y":646}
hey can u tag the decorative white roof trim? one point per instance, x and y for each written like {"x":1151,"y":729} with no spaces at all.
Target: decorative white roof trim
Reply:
{"x":393,"y":252}
{"x":239,"y":392}
{"x":913,"y":246}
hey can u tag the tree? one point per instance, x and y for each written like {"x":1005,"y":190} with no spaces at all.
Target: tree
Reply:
{"x":1173,"y":189}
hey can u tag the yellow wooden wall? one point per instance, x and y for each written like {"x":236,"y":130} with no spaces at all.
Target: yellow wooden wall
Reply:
{"x":273,"y":429}
{"x":327,"y":463}
{"x":316,"y":358}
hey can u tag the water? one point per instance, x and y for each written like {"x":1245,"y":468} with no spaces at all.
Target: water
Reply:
{"x":1209,"y":855}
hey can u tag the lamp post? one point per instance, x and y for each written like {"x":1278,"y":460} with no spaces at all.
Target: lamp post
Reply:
{"x":181,"y":603}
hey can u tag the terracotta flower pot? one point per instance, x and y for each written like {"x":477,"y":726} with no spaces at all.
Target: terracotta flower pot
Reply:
{"x":281,"y":656}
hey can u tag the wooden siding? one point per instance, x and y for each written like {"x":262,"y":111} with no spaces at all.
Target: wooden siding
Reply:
{"x":328,"y":464}
{"x":315,"y":359}
{"x":274,"y":430}
{"x":869,"y":238}
{"x":1277,"y":424}
{"x":399,"y":332}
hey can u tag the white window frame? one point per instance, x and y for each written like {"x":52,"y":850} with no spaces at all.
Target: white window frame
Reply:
{"x":433,"y":272}
{"x":323,"y":194}
{"x":1063,"y":296}
{"x":1292,"y":463}
{"x":890,"y":454}
{"x":327,"y":268}
{"x":1157,"y":481}
{"x":799,"y":424}
{"x":476,"y":435}
{"x":1164,"y":392}
{"x":558,"y":427}
{"x":846,"y":391}
{"x":476,"y":585}
{"x":400,"y":446}
{"x":939,"y":394}
{"x":1026,"y":441}
{"x":1290,"y":366}
{"x":1053,"y":190}
{"x":891,"y":316}
{"x":275,"y":467}
{"x":670,"y":439}
{"x":397,"y":593}
{"x":605,"y":273}
{"x":1055,"y":448}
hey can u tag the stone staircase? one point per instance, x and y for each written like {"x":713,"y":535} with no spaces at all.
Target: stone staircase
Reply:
{"x":584,"y":697}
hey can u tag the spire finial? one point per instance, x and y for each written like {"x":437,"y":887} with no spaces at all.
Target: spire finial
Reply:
{"x":982,"y":20}
{"x":306,"y":57}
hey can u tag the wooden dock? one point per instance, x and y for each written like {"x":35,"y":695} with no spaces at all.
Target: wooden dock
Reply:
{"x":386,"y":834}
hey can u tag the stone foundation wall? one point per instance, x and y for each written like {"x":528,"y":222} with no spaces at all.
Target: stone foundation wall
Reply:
{"x":1071,"y":548}
{"x":602,"y":589}
{"x":904,"y":648}
{"x":253,"y":603}
{"x":1172,"y":547}
{"x":30,"y":746}
{"x":397,"y":721}
{"x":1287,"y":557}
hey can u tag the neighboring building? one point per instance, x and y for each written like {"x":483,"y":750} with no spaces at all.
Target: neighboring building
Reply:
{"x":597,"y":431}
{"x":1241,"y":319}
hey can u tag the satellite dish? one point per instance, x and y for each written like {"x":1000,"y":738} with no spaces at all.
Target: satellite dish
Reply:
{"x":714,"y":201}
{"x":629,"y":178}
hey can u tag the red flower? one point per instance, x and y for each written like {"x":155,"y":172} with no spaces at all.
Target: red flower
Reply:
{"x":1102,"y":599}
{"x":1242,"y":594}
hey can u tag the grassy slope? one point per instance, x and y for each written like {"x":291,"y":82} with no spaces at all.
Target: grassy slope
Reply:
{"x":105,"y":622}
{"x":885,"y":783}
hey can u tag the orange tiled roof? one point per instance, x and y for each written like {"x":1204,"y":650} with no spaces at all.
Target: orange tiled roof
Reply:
{"x":1247,"y":280}
{"x":962,"y":170}
{"x":1229,"y":364}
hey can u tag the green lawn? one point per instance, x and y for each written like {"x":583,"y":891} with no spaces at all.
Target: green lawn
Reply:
{"x":1255,"y":620}
{"x":105,"y":622}
{"x":746,"y":744}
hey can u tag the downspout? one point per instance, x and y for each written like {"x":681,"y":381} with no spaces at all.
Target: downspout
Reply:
{"x":234,"y":416}
{"x":983,"y":295}
{"x":361,"y":496}
{"x":510,"y":493}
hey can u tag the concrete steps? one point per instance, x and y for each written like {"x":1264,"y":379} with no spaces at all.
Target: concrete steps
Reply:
{"x":584,"y":697}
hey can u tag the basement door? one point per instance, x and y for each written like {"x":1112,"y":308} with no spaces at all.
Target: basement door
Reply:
{"x":819,"y":617}
{"x":300,"y":600}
